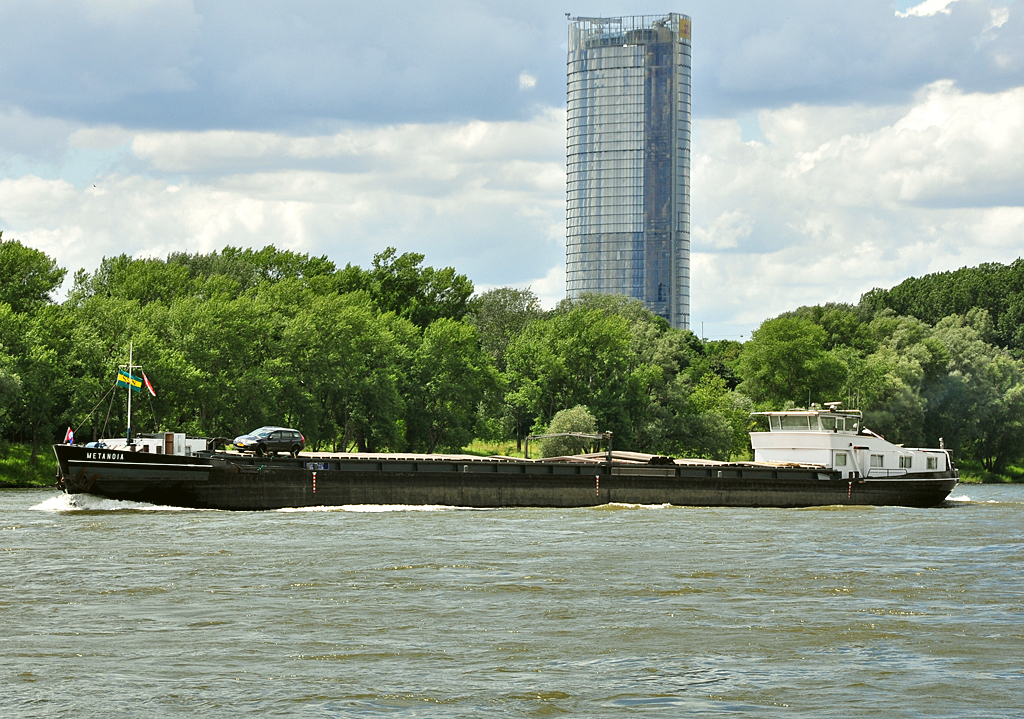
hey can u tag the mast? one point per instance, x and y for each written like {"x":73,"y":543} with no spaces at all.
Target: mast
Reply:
{"x":128,"y":369}
{"x":131,"y":347}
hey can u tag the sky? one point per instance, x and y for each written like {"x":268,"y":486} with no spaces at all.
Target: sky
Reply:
{"x":837,"y":146}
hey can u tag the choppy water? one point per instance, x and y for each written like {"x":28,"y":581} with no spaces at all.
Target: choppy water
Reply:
{"x":111,"y":608}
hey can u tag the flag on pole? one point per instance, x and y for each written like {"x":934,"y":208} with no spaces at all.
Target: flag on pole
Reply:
{"x":69,"y":438}
{"x":126,"y":379}
{"x":148,"y":385}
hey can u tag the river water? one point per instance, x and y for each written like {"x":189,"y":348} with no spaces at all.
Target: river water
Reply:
{"x":110,"y":608}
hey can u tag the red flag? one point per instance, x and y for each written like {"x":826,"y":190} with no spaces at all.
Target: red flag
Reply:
{"x":148,"y":385}
{"x":69,"y":438}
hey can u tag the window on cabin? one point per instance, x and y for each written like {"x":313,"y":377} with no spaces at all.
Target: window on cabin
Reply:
{"x":906,"y":462}
{"x":840,"y":459}
{"x":776,"y":423}
{"x":933,"y":463}
{"x":796,"y":422}
{"x":877,"y":460}
{"x":828,"y":423}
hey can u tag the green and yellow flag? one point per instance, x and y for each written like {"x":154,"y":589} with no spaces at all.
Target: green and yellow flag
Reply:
{"x":124,"y":379}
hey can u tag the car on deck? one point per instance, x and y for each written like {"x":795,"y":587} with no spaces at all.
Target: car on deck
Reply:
{"x":271,"y":440}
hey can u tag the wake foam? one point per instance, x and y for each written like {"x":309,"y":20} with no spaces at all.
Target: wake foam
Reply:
{"x":964,"y":499}
{"x":92,"y":503}
{"x":372,"y":508}
{"x":626,"y":505}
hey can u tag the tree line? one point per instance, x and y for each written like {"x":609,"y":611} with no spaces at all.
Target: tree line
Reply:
{"x":405,"y":357}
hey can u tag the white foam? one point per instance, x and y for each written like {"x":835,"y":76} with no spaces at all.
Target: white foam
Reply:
{"x":964,"y":499}
{"x":92,"y":503}
{"x":370,"y":508}
{"x":626,"y":505}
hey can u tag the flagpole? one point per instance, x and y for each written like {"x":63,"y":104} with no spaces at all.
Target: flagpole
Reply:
{"x":130,"y":349}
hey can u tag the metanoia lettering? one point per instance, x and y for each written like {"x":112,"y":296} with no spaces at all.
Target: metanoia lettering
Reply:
{"x":119,"y":456}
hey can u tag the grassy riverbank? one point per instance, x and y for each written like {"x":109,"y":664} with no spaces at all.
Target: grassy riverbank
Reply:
{"x":16,"y":471}
{"x":972,"y":472}
{"x":483,"y":448}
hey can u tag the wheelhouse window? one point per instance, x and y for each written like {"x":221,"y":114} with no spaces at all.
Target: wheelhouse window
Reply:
{"x":840,"y":459}
{"x":831,"y":423}
{"x":793,"y":422}
{"x":906,"y":462}
{"x":877,"y":460}
{"x":933,"y":463}
{"x":776,"y":423}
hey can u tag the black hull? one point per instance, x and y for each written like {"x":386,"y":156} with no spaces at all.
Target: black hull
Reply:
{"x":233,"y":482}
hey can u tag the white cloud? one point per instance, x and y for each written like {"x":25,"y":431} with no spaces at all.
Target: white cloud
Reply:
{"x":22,"y":134}
{"x":550,"y":289}
{"x":723,"y":232}
{"x":999,"y":17}
{"x":527,"y":81}
{"x":928,"y":8}
{"x":435,"y":149}
{"x":99,"y":138}
{"x":487,"y":198}
{"x":840,"y":200}
{"x":835,"y":201}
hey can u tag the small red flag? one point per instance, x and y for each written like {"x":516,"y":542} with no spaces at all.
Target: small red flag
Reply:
{"x":148,"y":385}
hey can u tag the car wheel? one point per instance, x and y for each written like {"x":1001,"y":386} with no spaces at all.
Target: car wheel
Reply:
{"x":261,"y":449}
{"x":296,"y":448}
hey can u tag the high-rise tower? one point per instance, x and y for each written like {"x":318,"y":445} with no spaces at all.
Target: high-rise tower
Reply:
{"x":628,"y":161}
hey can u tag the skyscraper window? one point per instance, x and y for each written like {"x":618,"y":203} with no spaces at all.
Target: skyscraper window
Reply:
{"x":628,"y":161}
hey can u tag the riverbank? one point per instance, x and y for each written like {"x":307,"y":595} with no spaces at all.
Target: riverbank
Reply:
{"x":972,"y":472}
{"x":17,"y":471}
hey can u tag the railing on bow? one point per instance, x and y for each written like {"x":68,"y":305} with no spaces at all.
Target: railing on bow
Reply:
{"x":601,"y":437}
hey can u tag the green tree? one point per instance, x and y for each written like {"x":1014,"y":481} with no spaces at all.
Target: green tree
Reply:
{"x":785,"y":362}
{"x":353,"y":363}
{"x":977,"y":402}
{"x":45,"y":383}
{"x":501,"y":314}
{"x":996,"y":288}
{"x":1000,"y":439}
{"x":575,"y":419}
{"x":845,"y":325}
{"x":707,"y":420}
{"x":582,"y":356}
{"x":422,"y":295}
{"x":142,"y":280}
{"x":10,"y":382}
{"x":451,"y":375}
{"x":644,"y":327}
{"x":27,"y":276}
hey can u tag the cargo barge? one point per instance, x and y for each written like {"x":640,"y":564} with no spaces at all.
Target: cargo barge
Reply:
{"x":806,"y":458}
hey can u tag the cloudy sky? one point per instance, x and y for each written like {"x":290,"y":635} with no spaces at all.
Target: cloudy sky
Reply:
{"x":838,"y":146}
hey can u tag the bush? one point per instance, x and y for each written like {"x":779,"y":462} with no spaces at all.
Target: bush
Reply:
{"x":578,"y":419}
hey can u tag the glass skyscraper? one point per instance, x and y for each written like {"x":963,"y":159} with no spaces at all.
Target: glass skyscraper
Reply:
{"x":628,"y":161}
